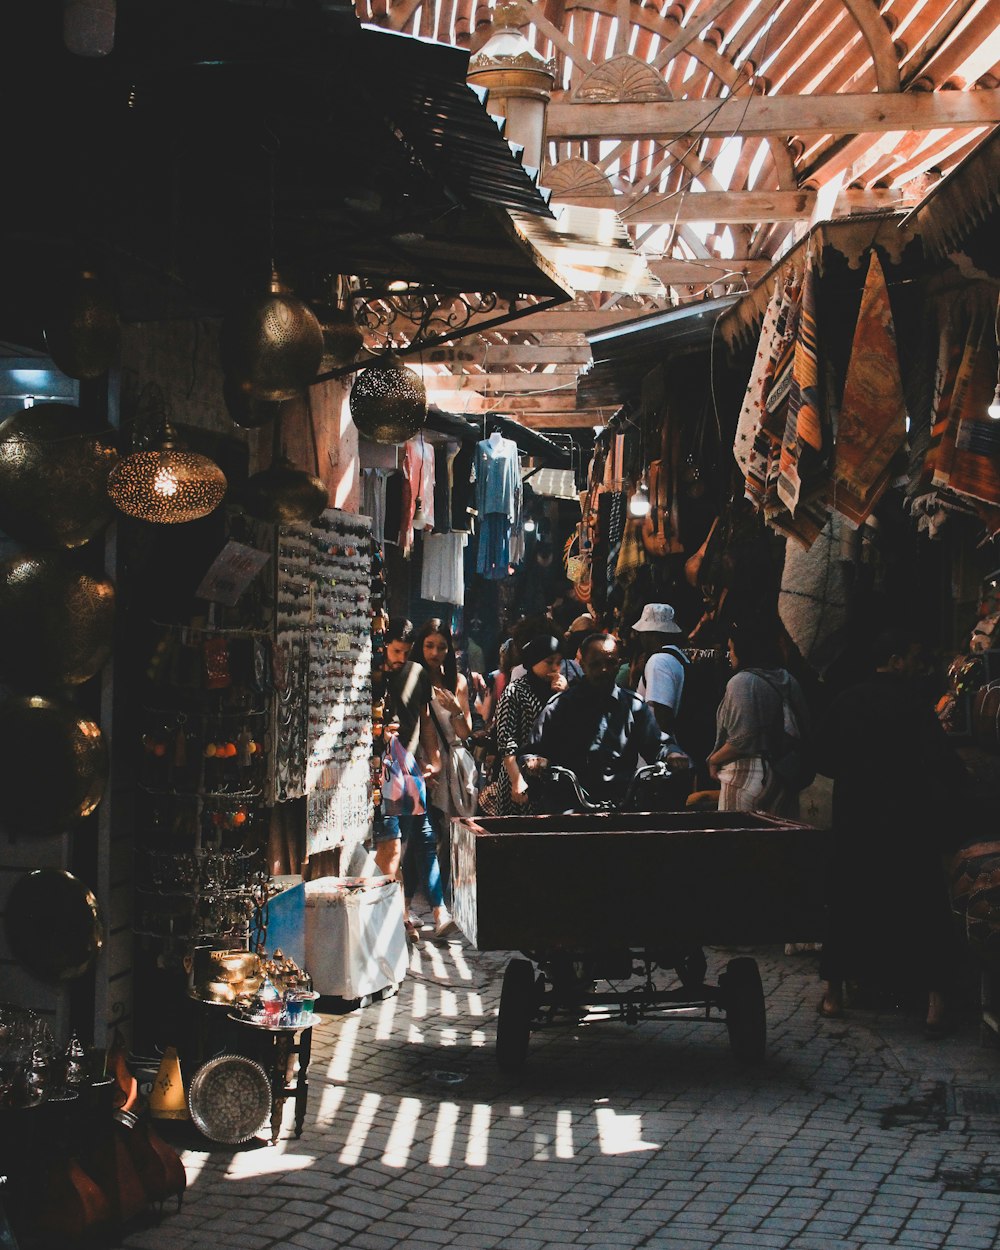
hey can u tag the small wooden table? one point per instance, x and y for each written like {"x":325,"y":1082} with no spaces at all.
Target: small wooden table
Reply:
{"x":275,"y":1046}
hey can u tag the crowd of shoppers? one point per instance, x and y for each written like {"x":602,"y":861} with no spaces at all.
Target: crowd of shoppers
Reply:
{"x":603,"y":708}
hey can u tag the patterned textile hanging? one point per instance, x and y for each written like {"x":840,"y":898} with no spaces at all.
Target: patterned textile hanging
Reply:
{"x":751,"y":414}
{"x":872,"y":425}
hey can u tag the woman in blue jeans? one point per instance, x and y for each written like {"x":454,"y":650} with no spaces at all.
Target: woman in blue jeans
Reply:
{"x":420,"y":867}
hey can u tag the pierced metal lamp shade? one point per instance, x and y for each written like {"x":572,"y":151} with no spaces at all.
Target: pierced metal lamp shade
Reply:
{"x":54,"y":467}
{"x":53,"y":767}
{"x":56,"y":622}
{"x":285,"y":494}
{"x":167,"y":486}
{"x":53,"y":924}
{"x":388,"y":402}
{"x":248,"y":412}
{"x":342,"y":338}
{"x":84,"y":333}
{"x":272,"y":345}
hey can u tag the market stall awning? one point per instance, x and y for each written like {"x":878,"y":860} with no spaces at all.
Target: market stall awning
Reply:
{"x":590,"y":249}
{"x":624,"y":354}
{"x":219,"y":135}
{"x":961,"y":213}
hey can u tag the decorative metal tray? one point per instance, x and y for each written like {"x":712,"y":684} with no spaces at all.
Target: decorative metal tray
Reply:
{"x":230,"y":1099}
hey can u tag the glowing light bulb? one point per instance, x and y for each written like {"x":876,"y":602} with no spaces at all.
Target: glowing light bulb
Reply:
{"x":529,"y":526}
{"x":638,"y":505}
{"x":994,"y":409}
{"x":165,"y":482}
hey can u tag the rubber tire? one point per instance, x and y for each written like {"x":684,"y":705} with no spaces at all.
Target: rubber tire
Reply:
{"x":746,"y":1014}
{"x":517,"y":1008}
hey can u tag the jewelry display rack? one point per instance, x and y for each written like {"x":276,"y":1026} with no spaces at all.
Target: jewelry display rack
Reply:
{"x":200,"y":877}
{"x":323,"y":657}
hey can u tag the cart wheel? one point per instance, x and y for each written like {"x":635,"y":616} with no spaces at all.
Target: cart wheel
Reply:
{"x":746,"y":1015}
{"x":517,"y":1007}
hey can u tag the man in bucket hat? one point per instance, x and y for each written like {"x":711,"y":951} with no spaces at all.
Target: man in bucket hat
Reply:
{"x":662,"y":681}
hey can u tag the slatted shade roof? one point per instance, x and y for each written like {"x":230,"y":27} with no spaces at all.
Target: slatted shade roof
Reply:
{"x":722,"y":130}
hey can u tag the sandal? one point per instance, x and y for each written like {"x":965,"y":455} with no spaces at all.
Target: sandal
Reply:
{"x":829,"y":1011}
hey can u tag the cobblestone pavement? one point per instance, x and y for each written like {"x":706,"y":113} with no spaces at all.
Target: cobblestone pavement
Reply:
{"x":855,"y":1133}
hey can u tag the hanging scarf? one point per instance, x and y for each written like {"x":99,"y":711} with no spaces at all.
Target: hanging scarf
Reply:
{"x":751,"y":413}
{"x":872,"y":424}
{"x":803,"y":420}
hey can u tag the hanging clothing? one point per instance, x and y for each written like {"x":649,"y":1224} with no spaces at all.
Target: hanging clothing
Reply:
{"x":392,"y":525}
{"x":442,"y":579}
{"x":418,"y":485}
{"x":373,"y":490}
{"x":443,"y":461}
{"x":498,"y":501}
{"x":463,"y":499}
{"x":752,"y":411}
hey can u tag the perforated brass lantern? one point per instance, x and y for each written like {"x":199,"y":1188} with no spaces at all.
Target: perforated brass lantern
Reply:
{"x":84,"y":331}
{"x":53,"y":766}
{"x":56,"y":622}
{"x":167,"y":486}
{"x":342,"y":338}
{"x":285,"y":494}
{"x":272,"y":345}
{"x":54,"y":467}
{"x":248,"y":412}
{"x":388,"y":402}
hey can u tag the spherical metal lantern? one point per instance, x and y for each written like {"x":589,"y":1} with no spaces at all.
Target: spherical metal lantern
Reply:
{"x":53,"y":924}
{"x":53,"y":766}
{"x":56,"y":623}
{"x":388,"y":402}
{"x":84,"y":333}
{"x":272,"y":345}
{"x":246,"y":411}
{"x":54,"y":467}
{"x":167,"y":486}
{"x":342,"y":338}
{"x":285,"y":494}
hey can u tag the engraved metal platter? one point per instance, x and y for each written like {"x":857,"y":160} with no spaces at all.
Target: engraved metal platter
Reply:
{"x":230,"y":1099}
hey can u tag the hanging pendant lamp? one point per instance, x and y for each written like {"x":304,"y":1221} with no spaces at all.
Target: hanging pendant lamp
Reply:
{"x":388,"y":402}
{"x":83,"y":333}
{"x":54,"y":465}
{"x":272,"y":345}
{"x":342,"y":336}
{"x":285,"y":494}
{"x":168,"y":485}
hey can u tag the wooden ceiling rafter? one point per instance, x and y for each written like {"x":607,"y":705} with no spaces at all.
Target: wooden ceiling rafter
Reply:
{"x":816,"y":87}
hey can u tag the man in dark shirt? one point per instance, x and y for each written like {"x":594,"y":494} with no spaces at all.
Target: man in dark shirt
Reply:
{"x":599,"y":730}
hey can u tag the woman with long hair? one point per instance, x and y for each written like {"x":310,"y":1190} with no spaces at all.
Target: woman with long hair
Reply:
{"x":763,"y":701}
{"x":520,"y":703}
{"x":451,"y":718}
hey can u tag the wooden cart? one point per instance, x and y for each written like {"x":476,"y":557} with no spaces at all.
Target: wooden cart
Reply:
{"x":596,"y":901}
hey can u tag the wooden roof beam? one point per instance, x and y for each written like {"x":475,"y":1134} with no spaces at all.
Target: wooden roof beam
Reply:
{"x":852,"y":114}
{"x":712,"y":206}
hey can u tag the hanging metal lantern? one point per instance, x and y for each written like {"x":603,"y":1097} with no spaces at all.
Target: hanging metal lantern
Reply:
{"x":285,"y":494}
{"x":342,"y":337}
{"x":388,"y":402}
{"x":56,"y":622}
{"x":84,"y":332}
{"x":53,"y":766}
{"x":167,"y":486}
{"x":54,"y":467}
{"x":53,"y":924}
{"x":272,"y":345}
{"x":248,"y":412}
